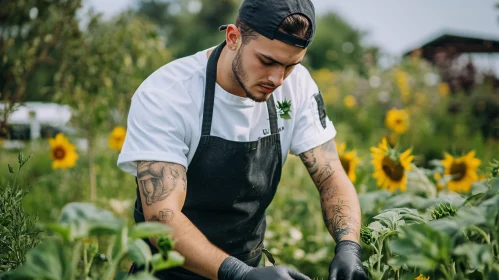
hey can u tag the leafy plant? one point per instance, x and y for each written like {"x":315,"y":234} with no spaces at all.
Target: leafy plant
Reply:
{"x":18,"y":233}
{"x":71,"y":253}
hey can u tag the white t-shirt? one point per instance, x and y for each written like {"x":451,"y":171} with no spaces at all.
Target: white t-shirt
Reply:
{"x":166,"y":113}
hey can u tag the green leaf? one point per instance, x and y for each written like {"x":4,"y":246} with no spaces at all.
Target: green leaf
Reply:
{"x":139,"y":252}
{"x":49,"y":260}
{"x":424,"y":247}
{"x":10,"y":169}
{"x":285,"y":116}
{"x":446,"y":225}
{"x":404,"y":200}
{"x":63,"y":230}
{"x":148,"y":229}
{"x":473,"y":199}
{"x":477,"y":255}
{"x":159,"y":263}
{"x":370,"y":201}
{"x":84,"y":219}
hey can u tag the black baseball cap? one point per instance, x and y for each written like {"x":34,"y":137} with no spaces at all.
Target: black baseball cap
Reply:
{"x":265,"y":17}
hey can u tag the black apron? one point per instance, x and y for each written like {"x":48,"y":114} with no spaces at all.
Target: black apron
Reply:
{"x":230,"y":184}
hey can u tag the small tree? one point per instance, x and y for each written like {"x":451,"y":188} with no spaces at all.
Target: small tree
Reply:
{"x":32,"y":33}
{"x":102,"y":69}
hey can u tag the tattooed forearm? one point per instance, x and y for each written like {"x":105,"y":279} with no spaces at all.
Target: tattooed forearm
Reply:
{"x":184,"y":181}
{"x":157,"y":180}
{"x":340,"y":211}
{"x":308,"y":158}
{"x":325,"y":173}
{"x":166,"y":215}
{"x":340,"y":220}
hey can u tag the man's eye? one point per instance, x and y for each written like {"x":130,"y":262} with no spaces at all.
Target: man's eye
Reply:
{"x":267,"y":63}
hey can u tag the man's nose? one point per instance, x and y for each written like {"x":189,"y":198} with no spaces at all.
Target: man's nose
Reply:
{"x":277,"y":76}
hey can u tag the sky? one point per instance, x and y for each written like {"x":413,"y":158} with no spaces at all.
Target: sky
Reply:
{"x":395,"y":26}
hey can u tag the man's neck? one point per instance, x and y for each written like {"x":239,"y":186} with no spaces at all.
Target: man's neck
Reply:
{"x":225,"y":77}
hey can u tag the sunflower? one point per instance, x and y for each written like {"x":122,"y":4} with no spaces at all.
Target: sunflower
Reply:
{"x":117,"y":138}
{"x":350,"y":101}
{"x":397,"y":120}
{"x":462,"y":171}
{"x":348,"y":161}
{"x":391,"y":166}
{"x":421,"y":277}
{"x":63,"y":153}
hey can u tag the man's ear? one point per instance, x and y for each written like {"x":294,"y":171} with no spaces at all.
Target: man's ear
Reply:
{"x":233,"y":37}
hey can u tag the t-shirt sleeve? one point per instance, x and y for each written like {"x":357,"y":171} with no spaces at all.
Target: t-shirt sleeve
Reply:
{"x":313,"y":127}
{"x":156,"y":129}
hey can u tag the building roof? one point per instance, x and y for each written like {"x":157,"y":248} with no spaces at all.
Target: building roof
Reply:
{"x":456,"y":43}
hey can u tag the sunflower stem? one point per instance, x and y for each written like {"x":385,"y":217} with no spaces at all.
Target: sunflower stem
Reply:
{"x":91,"y":167}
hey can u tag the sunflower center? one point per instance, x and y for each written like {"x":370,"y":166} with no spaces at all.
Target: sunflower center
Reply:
{"x":345,"y":163}
{"x":398,"y":121}
{"x":59,"y":152}
{"x":395,"y":171}
{"x":458,"y":171}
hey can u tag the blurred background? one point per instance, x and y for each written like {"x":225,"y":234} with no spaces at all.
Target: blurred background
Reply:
{"x":424,"y":75}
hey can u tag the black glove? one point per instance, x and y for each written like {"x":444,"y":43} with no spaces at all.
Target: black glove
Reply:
{"x":234,"y":269}
{"x":346,"y":264}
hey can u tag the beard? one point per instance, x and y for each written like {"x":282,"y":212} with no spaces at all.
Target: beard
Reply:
{"x":241,"y":77}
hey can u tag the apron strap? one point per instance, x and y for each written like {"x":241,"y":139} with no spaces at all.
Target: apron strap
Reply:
{"x":209,"y":95}
{"x":272,"y":115}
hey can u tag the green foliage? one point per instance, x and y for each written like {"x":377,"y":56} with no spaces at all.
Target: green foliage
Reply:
{"x":18,"y":232}
{"x":442,"y":211}
{"x":336,"y":45}
{"x":105,"y":66}
{"x":34,"y":33}
{"x":494,"y":166}
{"x":67,"y":257}
{"x":366,"y":235}
{"x":192,"y":25}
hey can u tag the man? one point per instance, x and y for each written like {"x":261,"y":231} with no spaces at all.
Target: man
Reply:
{"x":207,"y":145}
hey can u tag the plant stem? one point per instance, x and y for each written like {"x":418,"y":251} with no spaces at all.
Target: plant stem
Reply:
{"x":379,"y":254}
{"x":91,"y":167}
{"x":85,"y":259}
{"x":113,"y":265}
{"x":482,"y":233}
{"x":445,"y":272}
{"x":75,"y":258}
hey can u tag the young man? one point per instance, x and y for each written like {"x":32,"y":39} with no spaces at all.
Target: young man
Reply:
{"x":207,"y":145}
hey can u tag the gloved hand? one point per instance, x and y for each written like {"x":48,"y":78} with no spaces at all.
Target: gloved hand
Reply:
{"x":234,"y":269}
{"x":346,"y":263}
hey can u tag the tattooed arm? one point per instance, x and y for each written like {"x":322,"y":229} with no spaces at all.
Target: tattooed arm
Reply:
{"x":339,"y":201}
{"x":163,"y":187}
